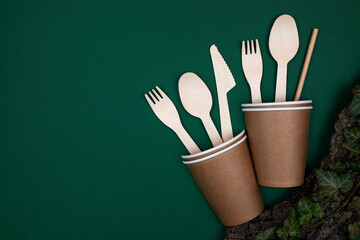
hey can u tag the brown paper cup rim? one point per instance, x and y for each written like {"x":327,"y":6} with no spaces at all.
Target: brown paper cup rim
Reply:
{"x":276,"y":103}
{"x":217,"y":153}
{"x":276,"y":109}
{"x":214,"y":148}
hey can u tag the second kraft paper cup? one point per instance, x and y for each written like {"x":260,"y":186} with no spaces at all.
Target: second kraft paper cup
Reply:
{"x":227,"y":180}
{"x":278,"y":139}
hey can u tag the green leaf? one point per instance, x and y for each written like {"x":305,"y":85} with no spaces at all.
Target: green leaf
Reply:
{"x":355,"y":204}
{"x":317,"y":211}
{"x":282,"y":234}
{"x":354,"y":230}
{"x":337,"y":166}
{"x":306,"y":209}
{"x":305,"y":219}
{"x":346,"y":182}
{"x":354,"y":151}
{"x":341,"y":167}
{"x":354,"y":107}
{"x":352,"y":136}
{"x":355,"y":166}
{"x":266,"y":235}
{"x":290,"y":227}
{"x":330,"y":183}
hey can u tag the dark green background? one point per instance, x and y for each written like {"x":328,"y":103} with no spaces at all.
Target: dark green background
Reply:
{"x":82,"y":156}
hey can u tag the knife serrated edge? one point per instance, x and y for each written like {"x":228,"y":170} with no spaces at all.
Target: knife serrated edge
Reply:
{"x":219,"y":62}
{"x":215,"y":53}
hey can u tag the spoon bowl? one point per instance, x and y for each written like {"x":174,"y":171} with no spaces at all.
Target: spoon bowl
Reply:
{"x":195,"y":95}
{"x":284,"y":39}
{"x":196,"y":99}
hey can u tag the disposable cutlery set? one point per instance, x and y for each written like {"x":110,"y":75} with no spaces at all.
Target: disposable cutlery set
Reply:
{"x":227,"y":174}
{"x":196,"y":97}
{"x":197,"y":100}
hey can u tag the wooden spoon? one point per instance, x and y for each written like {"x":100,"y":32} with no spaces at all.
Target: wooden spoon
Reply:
{"x":196,"y":99}
{"x":283,"y":44}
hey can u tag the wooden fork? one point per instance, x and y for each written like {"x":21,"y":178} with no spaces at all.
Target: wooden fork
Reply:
{"x":253,"y":68}
{"x":166,"y":111}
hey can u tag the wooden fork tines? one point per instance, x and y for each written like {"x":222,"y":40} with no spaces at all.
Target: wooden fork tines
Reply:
{"x":166,"y":111}
{"x":253,"y":68}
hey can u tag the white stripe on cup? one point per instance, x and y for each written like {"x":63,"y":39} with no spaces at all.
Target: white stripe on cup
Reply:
{"x":215,"y":154}
{"x":275,"y":109}
{"x":276,"y":103}
{"x":214,"y":148}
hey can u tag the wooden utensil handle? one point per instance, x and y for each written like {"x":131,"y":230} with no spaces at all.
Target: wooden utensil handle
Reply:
{"x":225,"y":120}
{"x":187,"y":140}
{"x":212,"y":131}
{"x":255,"y":94}
{"x":280,"y":94}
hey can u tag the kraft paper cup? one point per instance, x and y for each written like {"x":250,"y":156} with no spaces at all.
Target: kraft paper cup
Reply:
{"x":227,"y":180}
{"x":214,"y":149}
{"x":278,"y":140}
{"x":278,"y":104}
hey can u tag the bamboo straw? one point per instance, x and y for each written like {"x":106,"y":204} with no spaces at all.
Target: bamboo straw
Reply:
{"x":306,"y":64}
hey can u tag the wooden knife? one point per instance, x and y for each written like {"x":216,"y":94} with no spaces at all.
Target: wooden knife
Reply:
{"x":224,"y":83}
